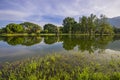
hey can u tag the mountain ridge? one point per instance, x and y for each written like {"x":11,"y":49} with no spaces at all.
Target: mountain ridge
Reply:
{"x":115,"y":21}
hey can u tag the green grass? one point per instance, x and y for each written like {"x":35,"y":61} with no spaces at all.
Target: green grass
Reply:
{"x":48,"y":34}
{"x":62,"y":67}
{"x":18,"y":34}
{"x":26,"y":34}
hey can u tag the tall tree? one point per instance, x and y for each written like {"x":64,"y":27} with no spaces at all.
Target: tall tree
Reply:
{"x":105,"y":27}
{"x":68,"y":24}
{"x":14,"y":28}
{"x":60,"y":29}
{"x":84,"y":24}
{"x":76,"y":29}
{"x":91,"y":23}
{"x":31,"y":27}
{"x":50,"y":28}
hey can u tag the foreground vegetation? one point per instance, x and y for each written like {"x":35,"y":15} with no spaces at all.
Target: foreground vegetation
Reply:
{"x":63,"y":67}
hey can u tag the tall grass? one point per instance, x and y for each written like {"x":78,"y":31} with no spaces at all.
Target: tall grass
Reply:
{"x":62,"y":67}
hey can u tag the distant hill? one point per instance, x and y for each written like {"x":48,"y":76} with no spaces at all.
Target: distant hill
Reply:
{"x":115,"y":21}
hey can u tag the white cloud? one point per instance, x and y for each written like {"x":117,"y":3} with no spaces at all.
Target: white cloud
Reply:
{"x":108,"y":7}
{"x":25,"y":10}
{"x":12,"y":15}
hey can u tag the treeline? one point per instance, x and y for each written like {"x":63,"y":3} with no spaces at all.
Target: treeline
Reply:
{"x":86,"y":25}
{"x":25,"y":27}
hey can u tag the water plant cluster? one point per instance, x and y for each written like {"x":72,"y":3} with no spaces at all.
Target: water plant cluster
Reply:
{"x":63,"y":67}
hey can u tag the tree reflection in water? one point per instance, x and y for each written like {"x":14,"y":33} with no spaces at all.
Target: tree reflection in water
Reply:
{"x":27,"y":41}
{"x":69,"y":42}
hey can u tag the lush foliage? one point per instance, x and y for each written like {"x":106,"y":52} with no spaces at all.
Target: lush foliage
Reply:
{"x":69,"y":24}
{"x":31,"y":27}
{"x":25,"y":27}
{"x":87,"y":25}
{"x":14,"y":28}
{"x":62,"y":67}
{"x":50,"y":28}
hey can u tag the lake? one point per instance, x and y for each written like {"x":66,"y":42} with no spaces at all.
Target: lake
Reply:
{"x":16,"y":48}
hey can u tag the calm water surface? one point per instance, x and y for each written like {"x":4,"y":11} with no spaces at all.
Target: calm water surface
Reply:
{"x":15,"y":48}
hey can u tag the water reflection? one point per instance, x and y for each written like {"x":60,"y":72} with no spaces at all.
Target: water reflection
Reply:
{"x":18,"y":47}
{"x":27,"y":41}
{"x":83,"y":43}
{"x":50,"y":40}
{"x":86,"y":43}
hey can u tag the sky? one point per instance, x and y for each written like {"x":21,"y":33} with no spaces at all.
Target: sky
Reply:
{"x":54,"y":11}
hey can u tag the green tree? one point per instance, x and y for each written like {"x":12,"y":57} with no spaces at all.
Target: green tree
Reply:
{"x":3,"y":30}
{"x":105,"y":27}
{"x":97,"y":25}
{"x":60,"y":29}
{"x":14,"y":28}
{"x":50,"y":28}
{"x":84,"y":24}
{"x":91,"y":23}
{"x":87,"y":25}
{"x":76,"y":28}
{"x":68,"y":24}
{"x":31,"y":27}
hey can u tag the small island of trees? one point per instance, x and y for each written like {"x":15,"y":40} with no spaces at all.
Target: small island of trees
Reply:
{"x":89,"y":25}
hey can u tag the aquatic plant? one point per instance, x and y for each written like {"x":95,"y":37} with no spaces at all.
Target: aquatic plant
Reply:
{"x":62,"y":67}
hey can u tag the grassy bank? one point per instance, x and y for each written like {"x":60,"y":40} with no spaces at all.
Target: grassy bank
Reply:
{"x":62,"y":67}
{"x":33,"y":34}
{"x":25,"y":34}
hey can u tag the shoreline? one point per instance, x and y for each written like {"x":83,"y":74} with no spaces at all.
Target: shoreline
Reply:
{"x":33,"y":34}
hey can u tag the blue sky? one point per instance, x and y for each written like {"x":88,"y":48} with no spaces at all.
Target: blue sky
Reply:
{"x":54,"y":11}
